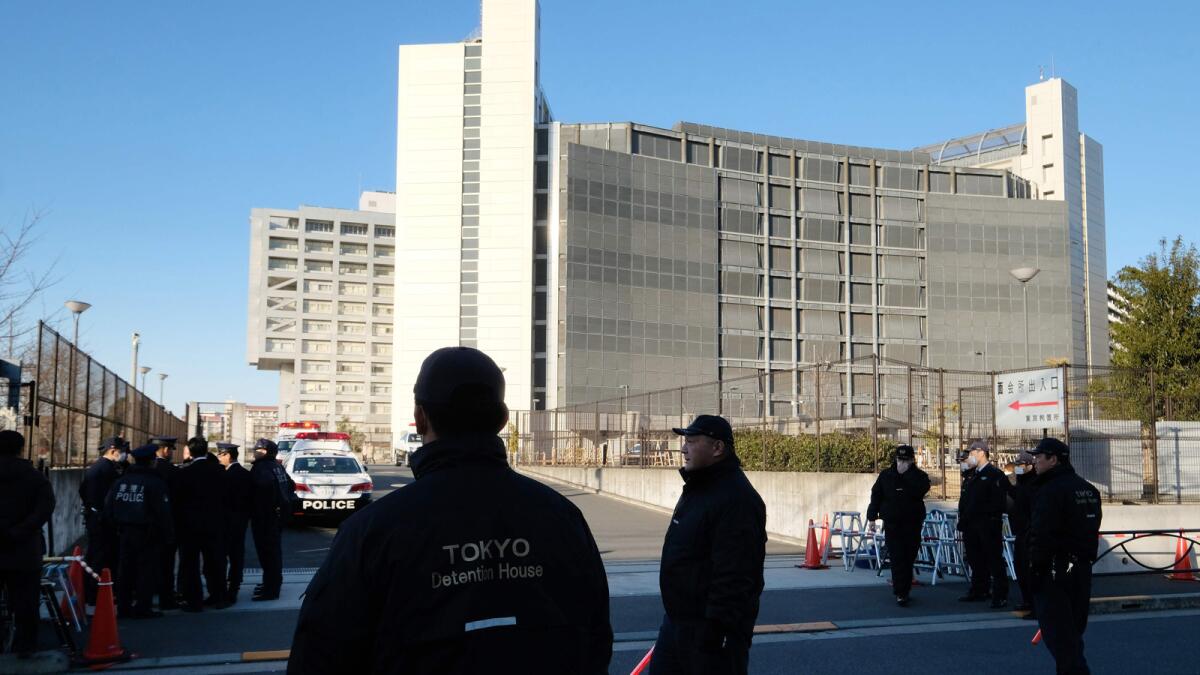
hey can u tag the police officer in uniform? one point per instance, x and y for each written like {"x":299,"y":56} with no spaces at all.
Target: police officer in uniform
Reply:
{"x":1019,"y":515}
{"x":270,"y":491}
{"x":201,"y":501}
{"x":166,"y":469}
{"x":138,"y":505}
{"x":980,"y":519}
{"x":473,"y":568}
{"x":1063,"y":536}
{"x":101,"y":537}
{"x":898,"y":497}
{"x":26,"y":504}
{"x":237,"y":515}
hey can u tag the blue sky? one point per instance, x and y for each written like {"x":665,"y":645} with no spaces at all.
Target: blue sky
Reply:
{"x":145,"y":132}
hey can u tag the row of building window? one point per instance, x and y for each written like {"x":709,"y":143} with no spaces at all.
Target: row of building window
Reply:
{"x":820,"y":261}
{"x":328,"y":227}
{"x":753,"y":348}
{"x":287,"y":245}
{"x":326,"y":386}
{"x":469,"y":226}
{"x":821,"y":321}
{"x":275,"y":264}
{"x":751,"y":284}
{"x":344,"y":408}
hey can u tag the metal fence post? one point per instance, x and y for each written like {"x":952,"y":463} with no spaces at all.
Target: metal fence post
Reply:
{"x":763,"y":390}
{"x":942,"y":426}
{"x":1066,"y":377}
{"x":54,"y":405}
{"x":1153,"y":438}
{"x":992,"y":410}
{"x":908,"y":384}
{"x":875,"y":410}
{"x":818,"y":415}
{"x":87,"y":407}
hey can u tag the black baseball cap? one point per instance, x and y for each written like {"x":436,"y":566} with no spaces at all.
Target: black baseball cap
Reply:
{"x":905,"y":452}
{"x":1052,"y":447}
{"x":450,"y":371}
{"x":712,"y":426}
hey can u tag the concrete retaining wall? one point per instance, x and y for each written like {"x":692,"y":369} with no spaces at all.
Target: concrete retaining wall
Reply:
{"x":791,"y":498}
{"x":68,"y":524}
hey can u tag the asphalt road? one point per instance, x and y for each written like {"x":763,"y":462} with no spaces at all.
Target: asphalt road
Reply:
{"x":936,"y":633}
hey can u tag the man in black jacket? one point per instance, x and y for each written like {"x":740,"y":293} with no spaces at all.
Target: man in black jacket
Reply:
{"x":169,"y":473}
{"x":1019,"y":515}
{"x":980,"y":519}
{"x":237,"y":516}
{"x":898,"y":497}
{"x":473,"y":568}
{"x":138,"y":506}
{"x":201,"y":499}
{"x":1063,"y":536}
{"x":26,"y":503}
{"x":711,"y":571}
{"x":271,"y":491}
{"x":101,"y":537}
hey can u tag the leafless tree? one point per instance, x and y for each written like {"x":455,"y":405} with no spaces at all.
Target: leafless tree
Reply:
{"x":20,"y":285}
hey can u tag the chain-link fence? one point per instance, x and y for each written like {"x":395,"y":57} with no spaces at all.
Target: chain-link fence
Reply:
{"x":70,"y":403}
{"x":847,"y":416}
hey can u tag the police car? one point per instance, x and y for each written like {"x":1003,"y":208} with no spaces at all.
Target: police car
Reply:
{"x":410,"y":442}
{"x":329,"y":484}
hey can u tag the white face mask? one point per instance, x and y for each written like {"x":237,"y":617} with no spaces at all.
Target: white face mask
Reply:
{"x":1020,"y":470}
{"x":972,"y":461}
{"x":902,"y":465}
{"x":964,"y":466}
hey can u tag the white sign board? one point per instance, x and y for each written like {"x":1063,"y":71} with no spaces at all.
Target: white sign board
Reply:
{"x":1029,"y":399}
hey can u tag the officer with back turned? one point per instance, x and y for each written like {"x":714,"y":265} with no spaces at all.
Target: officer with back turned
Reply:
{"x":981,"y":520}
{"x":166,"y":469}
{"x":137,"y":505}
{"x":101,"y":538}
{"x":270,"y":492}
{"x":238,"y":486}
{"x":1063,"y":537}
{"x":200,"y":501}
{"x":898,"y":497}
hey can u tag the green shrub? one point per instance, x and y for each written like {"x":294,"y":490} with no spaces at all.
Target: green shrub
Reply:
{"x":851,"y":453}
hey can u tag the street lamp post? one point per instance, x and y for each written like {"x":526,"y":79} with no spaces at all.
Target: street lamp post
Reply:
{"x":161,"y":380}
{"x":77,"y":307}
{"x":133,"y":354}
{"x":1025,"y":275}
{"x":143,"y":370}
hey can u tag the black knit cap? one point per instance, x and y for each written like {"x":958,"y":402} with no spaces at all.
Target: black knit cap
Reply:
{"x":1052,"y":447}
{"x":456,"y":370}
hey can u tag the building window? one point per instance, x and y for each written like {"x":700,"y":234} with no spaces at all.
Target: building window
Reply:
{"x":350,"y":248}
{"x":318,"y":226}
{"x":385,"y":231}
{"x":354,"y":229}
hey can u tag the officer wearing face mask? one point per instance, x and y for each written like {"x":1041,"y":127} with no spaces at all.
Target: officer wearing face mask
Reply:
{"x":980,"y":519}
{"x":898,"y":497}
{"x":1020,"y":503}
{"x":101,"y":536}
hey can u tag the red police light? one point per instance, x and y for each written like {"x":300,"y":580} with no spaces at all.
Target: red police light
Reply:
{"x":322,"y":436}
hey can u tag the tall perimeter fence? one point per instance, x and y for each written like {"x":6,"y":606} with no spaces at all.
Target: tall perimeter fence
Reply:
{"x":1136,"y":443}
{"x":69,"y":403}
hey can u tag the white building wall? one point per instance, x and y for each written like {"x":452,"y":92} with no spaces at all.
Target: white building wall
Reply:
{"x":429,"y":190}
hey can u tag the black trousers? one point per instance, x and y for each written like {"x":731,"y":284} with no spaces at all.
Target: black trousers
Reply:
{"x":102,"y":551}
{"x":235,"y":548}
{"x":194,"y":547}
{"x":677,"y":652}
{"x":1062,"y":605}
{"x":137,"y":570}
{"x":985,"y":554}
{"x":166,"y":572}
{"x":1021,"y":566}
{"x":21,"y":587}
{"x":903,"y":539}
{"x":268,"y":544}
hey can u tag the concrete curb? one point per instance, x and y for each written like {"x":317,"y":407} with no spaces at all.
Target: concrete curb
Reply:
{"x":1145,"y":603}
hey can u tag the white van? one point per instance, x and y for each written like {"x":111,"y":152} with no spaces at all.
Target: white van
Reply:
{"x":407,"y":443}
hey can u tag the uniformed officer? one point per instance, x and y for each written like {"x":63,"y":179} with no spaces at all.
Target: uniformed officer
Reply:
{"x":26,"y":504}
{"x":237,"y":515}
{"x":270,"y":492}
{"x":1063,"y":537}
{"x":1019,"y":514}
{"x":101,"y":538}
{"x":201,"y":500}
{"x":898,"y":497}
{"x":473,"y":568}
{"x":138,"y":506}
{"x":166,"y":469}
{"x":980,"y":518}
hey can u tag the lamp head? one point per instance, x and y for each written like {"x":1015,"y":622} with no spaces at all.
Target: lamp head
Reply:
{"x":77,"y":306}
{"x":1024,"y":274}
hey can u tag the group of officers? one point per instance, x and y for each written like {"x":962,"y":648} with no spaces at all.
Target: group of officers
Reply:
{"x":144,"y":514}
{"x":1054,"y":515}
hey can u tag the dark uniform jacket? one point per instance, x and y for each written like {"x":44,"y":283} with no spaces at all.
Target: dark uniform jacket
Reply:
{"x":98,"y":478}
{"x":899,"y":497}
{"x":1021,"y":511}
{"x":200,"y":495}
{"x":984,"y":496}
{"x":473,"y":568}
{"x":712,"y":557}
{"x":139,"y":499}
{"x":238,"y":487}
{"x":26,"y":503}
{"x":270,"y":487}
{"x":1065,"y":520}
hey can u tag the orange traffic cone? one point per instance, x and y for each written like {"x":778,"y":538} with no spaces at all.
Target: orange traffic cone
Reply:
{"x":825,"y":539}
{"x":1183,"y":561}
{"x":104,"y":646}
{"x":73,"y":597}
{"x":1037,"y":637}
{"x":812,"y":550}
{"x":643,"y":663}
